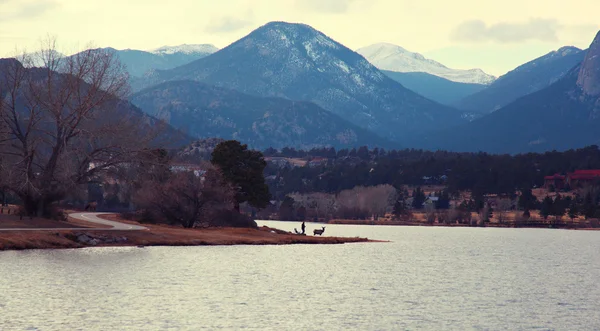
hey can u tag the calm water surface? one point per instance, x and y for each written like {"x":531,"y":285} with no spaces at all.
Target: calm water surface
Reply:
{"x":425,"y":279}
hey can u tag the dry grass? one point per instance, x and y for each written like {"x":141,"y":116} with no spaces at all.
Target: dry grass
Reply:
{"x":160,"y":235}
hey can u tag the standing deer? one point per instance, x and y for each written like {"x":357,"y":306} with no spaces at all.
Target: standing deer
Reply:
{"x":318,"y":231}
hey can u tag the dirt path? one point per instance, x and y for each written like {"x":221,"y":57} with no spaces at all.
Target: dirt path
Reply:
{"x":91,"y":218}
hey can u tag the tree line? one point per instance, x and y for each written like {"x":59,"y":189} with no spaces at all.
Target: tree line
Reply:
{"x":480,"y":173}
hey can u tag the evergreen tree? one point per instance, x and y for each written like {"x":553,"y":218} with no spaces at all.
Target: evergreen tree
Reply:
{"x":573,"y":210}
{"x":558,"y":208}
{"x":547,"y":206}
{"x":418,"y":198}
{"x":400,"y":206}
{"x":243,"y":169}
{"x":443,"y":200}
{"x":589,"y":206}
{"x":527,"y":200}
{"x":286,"y":210}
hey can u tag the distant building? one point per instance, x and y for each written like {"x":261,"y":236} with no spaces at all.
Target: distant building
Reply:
{"x":575,"y":179}
{"x":583,"y":177}
{"x":557,"y":181}
{"x":431,"y":201}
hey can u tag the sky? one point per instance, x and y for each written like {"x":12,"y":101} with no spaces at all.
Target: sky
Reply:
{"x":495,"y":36}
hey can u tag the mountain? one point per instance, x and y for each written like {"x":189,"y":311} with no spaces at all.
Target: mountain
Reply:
{"x":186,"y":49}
{"x":139,"y":63}
{"x":433,"y":87}
{"x":395,"y":58}
{"x":589,"y":75}
{"x":115,"y":111}
{"x":563,"y":116}
{"x":206,"y":111}
{"x":525,"y":79}
{"x":297,"y":62}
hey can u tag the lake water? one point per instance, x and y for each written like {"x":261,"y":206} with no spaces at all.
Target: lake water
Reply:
{"x":425,"y":279}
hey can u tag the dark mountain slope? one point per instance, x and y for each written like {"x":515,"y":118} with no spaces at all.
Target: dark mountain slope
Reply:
{"x":433,"y":87}
{"x":208,"y":111}
{"x":525,"y":79}
{"x":556,"y":118}
{"x":297,"y":62}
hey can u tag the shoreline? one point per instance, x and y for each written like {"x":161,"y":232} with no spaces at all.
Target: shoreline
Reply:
{"x":158,"y":235}
{"x":488,"y":225}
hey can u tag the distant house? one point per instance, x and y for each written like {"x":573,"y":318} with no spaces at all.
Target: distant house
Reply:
{"x":557,"y":181}
{"x":431,"y":201}
{"x":583,"y":177}
{"x":574,"y":179}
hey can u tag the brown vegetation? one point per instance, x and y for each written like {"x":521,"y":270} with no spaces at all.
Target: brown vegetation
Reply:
{"x":63,"y":123}
{"x":162,"y":235}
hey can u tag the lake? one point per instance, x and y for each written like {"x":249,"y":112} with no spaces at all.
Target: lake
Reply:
{"x":426,"y":278}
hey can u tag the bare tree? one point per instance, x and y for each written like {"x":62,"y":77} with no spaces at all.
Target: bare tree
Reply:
{"x":502,"y":209}
{"x":64,"y":122}
{"x":430,"y":213}
{"x":380,"y":199}
{"x":185,"y":198}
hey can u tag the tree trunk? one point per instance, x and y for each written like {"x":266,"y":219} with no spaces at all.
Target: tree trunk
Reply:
{"x":40,"y":208}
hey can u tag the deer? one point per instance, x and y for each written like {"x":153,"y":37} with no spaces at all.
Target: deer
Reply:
{"x":318,"y":231}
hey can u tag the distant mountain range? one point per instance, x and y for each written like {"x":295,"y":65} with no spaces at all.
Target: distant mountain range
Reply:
{"x":562,"y":116}
{"x":206,"y":111}
{"x":185,"y":49}
{"x":290,"y":85}
{"x":433,"y":87}
{"x":297,"y":62}
{"x":525,"y":79}
{"x":395,"y":58}
{"x":116,"y":110}
{"x":139,"y":62}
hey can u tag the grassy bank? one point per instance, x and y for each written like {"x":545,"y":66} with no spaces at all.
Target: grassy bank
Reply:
{"x":156,"y":235}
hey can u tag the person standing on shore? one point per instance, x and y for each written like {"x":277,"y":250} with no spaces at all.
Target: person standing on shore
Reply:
{"x":303,"y":228}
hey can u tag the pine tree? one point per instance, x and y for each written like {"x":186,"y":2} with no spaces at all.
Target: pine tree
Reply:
{"x":589,"y":207}
{"x":399,"y":206}
{"x":527,"y":200}
{"x":558,"y":209}
{"x":547,"y":206}
{"x":418,"y":198}
{"x":573,"y":210}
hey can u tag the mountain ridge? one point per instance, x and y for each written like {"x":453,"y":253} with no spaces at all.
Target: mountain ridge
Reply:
{"x":207,"y":111}
{"x":390,"y":57}
{"x":527,"y":78}
{"x":562,"y":116}
{"x":297,"y":62}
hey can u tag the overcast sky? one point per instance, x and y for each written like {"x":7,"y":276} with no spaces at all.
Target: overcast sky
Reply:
{"x":495,"y":35}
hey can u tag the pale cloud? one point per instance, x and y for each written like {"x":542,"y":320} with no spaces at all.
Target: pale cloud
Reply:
{"x":227,"y":24}
{"x":326,"y":6}
{"x":11,"y":10}
{"x":418,"y":25}
{"x":535,"y":29}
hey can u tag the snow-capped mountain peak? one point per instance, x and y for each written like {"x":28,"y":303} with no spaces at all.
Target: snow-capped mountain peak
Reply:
{"x":391,"y":57}
{"x":186,"y":49}
{"x":298,"y":62}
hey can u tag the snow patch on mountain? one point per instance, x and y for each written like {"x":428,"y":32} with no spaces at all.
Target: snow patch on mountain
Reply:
{"x":185,"y":49}
{"x":395,"y":58}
